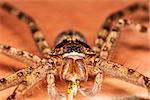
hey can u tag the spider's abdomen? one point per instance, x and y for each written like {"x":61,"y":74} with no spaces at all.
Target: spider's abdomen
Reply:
{"x":69,"y":35}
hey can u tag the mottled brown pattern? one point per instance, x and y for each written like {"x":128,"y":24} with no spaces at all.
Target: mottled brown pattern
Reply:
{"x":107,"y":67}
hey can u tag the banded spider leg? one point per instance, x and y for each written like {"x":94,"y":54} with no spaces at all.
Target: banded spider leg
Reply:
{"x":123,"y":73}
{"x":108,"y":23}
{"x":115,"y":32}
{"x":24,"y":56}
{"x":35,"y":30}
{"x":113,"y":35}
{"x":37,"y":70}
{"x":110,"y":34}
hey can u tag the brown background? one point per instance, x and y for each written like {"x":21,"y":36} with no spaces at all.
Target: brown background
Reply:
{"x":86,"y":16}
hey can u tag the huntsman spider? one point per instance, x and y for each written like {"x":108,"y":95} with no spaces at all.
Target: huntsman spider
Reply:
{"x":72,"y":59}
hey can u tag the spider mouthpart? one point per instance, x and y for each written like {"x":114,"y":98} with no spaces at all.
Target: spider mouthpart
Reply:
{"x":73,"y":70}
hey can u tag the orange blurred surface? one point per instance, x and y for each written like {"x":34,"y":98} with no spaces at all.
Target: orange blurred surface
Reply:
{"x":86,"y":16}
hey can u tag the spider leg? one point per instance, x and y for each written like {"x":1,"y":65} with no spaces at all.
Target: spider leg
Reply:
{"x":97,"y":86}
{"x":121,"y":72}
{"x":106,"y":27}
{"x":52,"y":88}
{"x":28,"y":82}
{"x":23,"y":56}
{"x":14,"y":79}
{"x":36,"y":32}
{"x":19,"y":91}
{"x":115,"y":32}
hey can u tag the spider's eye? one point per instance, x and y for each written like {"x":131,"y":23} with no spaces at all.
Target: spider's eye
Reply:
{"x":72,"y":48}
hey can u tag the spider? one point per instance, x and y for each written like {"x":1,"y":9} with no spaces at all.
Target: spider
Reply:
{"x":72,"y":59}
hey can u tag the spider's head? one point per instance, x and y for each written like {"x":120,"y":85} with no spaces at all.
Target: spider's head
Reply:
{"x":74,"y":50}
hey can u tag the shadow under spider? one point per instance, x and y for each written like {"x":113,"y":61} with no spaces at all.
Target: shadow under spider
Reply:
{"x":137,"y":47}
{"x":143,"y":19}
{"x":8,"y":68}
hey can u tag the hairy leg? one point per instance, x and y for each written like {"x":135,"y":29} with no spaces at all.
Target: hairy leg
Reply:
{"x":97,"y":86}
{"x":115,"y":32}
{"x":23,"y":56}
{"x":51,"y":88}
{"x":14,"y":79}
{"x":19,"y":91}
{"x":28,"y":82}
{"x":107,"y":25}
{"x":121,"y":72}
{"x":35,"y":30}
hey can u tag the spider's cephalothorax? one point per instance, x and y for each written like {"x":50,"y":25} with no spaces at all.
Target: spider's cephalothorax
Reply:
{"x":73,"y":49}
